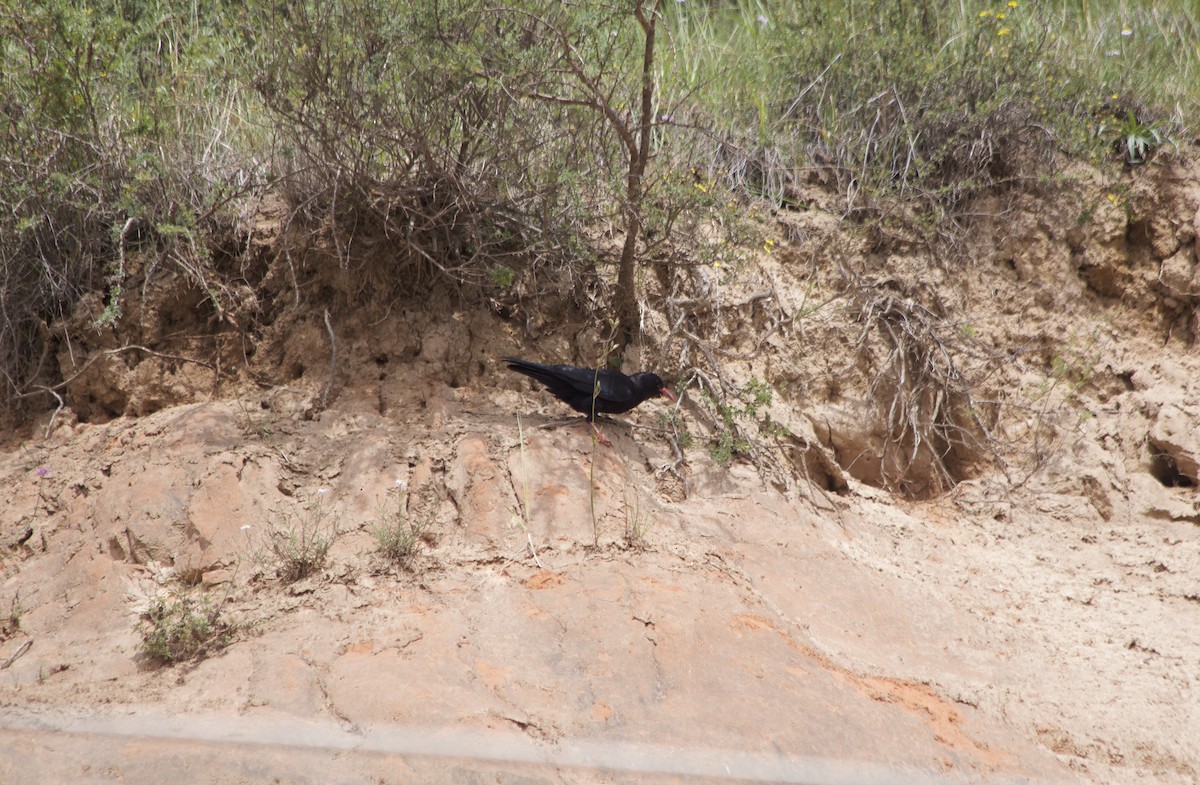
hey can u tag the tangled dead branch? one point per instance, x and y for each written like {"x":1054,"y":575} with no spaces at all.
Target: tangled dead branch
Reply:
{"x":930,"y":420}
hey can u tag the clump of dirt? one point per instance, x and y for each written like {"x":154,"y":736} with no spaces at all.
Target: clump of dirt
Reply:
{"x":952,"y":497}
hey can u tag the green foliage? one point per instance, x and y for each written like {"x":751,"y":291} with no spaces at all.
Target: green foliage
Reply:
{"x":934,"y":101}
{"x":502,"y":275}
{"x":460,"y":126}
{"x":725,"y":445}
{"x":1138,"y":141}
{"x":183,"y":629}
{"x":119,"y":118}
{"x":734,"y":413}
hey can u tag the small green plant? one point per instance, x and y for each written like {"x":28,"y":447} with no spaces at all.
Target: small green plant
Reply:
{"x":726,"y":445}
{"x":502,"y":275}
{"x":112,"y":309}
{"x":755,"y":395}
{"x":10,"y":625}
{"x":1071,"y":368}
{"x":637,"y":522}
{"x":300,"y":545}
{"x":772,"y":428}
{"x":252,"y":426}
{"x":744,"y":407}
{"x":400,"y":528}
{"x":183,"y":629}
{"x":671,"y":422}
{"x":1138,"y":141}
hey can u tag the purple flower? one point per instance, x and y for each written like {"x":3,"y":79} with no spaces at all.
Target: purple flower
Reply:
{"x":42,"y":471}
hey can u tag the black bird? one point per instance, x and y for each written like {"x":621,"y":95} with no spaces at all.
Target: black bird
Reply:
{"x":593,"y":392}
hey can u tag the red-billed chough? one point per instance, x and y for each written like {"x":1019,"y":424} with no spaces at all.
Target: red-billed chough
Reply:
{"x":593,"y":392}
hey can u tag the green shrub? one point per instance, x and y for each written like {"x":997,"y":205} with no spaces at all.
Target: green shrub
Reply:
{"x":733,"y":414}
{"x":121,"y":140}
{"x":183,"y":629}
{"x":411,"y":120}
{"x":299,"y":545}
{"x":405,"y":521}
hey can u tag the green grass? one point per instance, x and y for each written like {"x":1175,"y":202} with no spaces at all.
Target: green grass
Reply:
{"x":933,"y":100}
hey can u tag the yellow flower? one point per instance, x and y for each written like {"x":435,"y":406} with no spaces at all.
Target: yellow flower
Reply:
{"x":700,"y":187}
{"x":1013,"y":3}
{"x":1000,"y":15}
{"x":984,"y":14}
{"x":1003,"y":31}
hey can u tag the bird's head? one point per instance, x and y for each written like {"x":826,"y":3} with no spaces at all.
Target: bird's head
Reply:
{"x":653,"y":384}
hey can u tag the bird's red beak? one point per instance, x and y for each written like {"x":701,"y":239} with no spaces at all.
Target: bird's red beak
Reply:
{"x":667,"y":393}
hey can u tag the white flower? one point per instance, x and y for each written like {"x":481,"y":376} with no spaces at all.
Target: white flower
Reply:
{"x":322,"y":490}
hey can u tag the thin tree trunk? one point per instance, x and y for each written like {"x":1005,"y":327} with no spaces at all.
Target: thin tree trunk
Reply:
{"x":626,"y":296}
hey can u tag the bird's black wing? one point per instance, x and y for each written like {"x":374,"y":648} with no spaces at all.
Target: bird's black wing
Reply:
{"x":571,"y":385}
{"x":618,"y":393}
{"x":565,"y":378}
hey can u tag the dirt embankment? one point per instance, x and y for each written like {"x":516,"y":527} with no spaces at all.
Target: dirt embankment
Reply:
{"x":960,"y":536}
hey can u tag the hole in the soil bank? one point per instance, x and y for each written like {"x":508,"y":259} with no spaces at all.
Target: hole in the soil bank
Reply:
{"x":1138,"y":232}
{"x":297,"y":370}
{"x":1164,"y":469}
{"x":115,"y":551}
{"x":381,"y":359}
{"x":191,"y":576}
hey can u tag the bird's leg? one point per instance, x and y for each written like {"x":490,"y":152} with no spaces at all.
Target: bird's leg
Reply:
{"x":599,"y":436}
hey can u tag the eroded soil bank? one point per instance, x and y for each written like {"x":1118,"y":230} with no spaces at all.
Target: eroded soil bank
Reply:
{"x":1026,"y":605}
